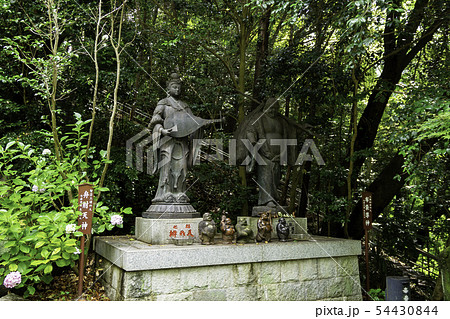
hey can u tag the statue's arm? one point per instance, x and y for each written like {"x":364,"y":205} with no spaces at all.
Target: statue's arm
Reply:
{"x":157,"y":120}
{"x":252,"y":135}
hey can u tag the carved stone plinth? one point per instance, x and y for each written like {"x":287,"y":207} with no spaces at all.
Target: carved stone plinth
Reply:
{"x":297,"y":226}
{"x":273,"y":210}
{"x":170,"y":211}
{"x":317,"y":269}
{"x":167,"y":231}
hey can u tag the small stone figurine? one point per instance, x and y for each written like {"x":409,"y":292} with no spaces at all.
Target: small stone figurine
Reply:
{"x":282,"y":229}
{"x":227,"y":229}
{"x":264,"y":226}
{"x":243,"y":232}
{"x":207,"y":229}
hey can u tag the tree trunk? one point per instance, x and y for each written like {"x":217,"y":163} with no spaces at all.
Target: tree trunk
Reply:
{"x":400,"y":48}
{"x":384,"y":188}
{"x":442,"y":289}
{"x":262,"y":47}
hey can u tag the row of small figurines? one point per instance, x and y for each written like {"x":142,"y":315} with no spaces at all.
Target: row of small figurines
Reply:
{"x":242,"y":232}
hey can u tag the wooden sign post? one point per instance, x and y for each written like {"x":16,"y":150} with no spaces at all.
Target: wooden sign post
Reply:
{"x":85,"y":206}
{"x":367,"y":223}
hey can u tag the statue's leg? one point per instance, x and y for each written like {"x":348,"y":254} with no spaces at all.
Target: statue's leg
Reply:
{"x":267,"y":186}
{"x":176,"y":165}
{"x":181,"y":170}
{"x":164,"y":172}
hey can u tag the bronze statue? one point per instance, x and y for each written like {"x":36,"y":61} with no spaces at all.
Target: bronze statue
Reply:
{"x":227,"y":229}
{"x":174,"y":150}
{"x":243,"y":232}
{"x":264,"y":226}
{"x":277,"y":135}
{"x":282,"y":229}
{"x":207,"y":229}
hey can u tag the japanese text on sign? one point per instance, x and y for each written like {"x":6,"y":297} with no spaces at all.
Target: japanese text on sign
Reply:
{"x":180,"y":231}
{"x":367,"y":209}
{"x":85,"y":206}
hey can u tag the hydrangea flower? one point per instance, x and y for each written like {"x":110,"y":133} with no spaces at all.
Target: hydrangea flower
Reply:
{"x":116,"y":220}
{"x":46,"y":152}
{"x":12,"y":279}
{"x":71,"y":228}
{"x":36,"y":188}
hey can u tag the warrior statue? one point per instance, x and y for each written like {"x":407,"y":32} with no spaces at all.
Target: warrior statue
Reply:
{"x":277,"y":136}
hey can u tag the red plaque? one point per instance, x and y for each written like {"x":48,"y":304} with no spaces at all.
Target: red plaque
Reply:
{"x":367,"y":210}
{"x":85,"y":206}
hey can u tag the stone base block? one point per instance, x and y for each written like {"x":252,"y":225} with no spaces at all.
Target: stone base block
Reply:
{"x":167,"y":231}
{"x":317,"y":269}
{"x":273,"y":210}
{"x":297,"y":225}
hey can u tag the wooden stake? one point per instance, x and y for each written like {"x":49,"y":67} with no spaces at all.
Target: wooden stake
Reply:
{"x":367,"y":262}
{"x":81,"y":269}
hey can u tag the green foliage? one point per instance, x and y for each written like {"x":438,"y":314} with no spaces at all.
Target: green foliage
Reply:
{"x":377,"y":294}
{"x":312,"y":49}
{"x":37,"y":205}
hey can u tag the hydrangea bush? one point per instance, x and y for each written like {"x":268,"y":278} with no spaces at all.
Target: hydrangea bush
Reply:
{"x":38,"y":208}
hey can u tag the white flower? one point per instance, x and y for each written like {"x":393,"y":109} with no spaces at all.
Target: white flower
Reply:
{"x":12,"y":279}
{"x":116,"y":220}
{"x":77,"y":252}
{"x":46,"y":152}
{"x":35,"y":188}
{"x":71,"y":228}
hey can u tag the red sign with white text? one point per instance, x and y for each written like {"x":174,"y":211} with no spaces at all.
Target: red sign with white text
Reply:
{"x":85,"y":206}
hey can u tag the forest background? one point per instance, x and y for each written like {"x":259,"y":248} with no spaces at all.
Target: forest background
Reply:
{"x":368,"y":80}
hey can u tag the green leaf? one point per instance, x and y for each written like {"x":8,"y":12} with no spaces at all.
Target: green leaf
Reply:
{"x":31,"y":290}
{"x":39,"y":244}
{"x":10,"y":244}
{"x":38,"y":262}
{"x":45,"y":253}
{"x":6,"y":256}
{"x":22,"y":267}
{"x":24,"y":249}
{"x":41,"y":235}
{"x":62,"y":262}
{"x":101,"y":229}
{"x":48,"y":269}
{"x":9,"y":145}
{"x":13,"y":267}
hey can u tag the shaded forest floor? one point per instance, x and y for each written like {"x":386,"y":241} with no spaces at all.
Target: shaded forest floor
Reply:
{"x":65,"y":286}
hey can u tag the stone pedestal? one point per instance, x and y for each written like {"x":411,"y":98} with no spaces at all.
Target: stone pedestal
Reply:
{"x":167,"y":231}
{"x":170,"y":211}
{"x":318,"y":269}
{"x":273,"y":210}
{"x":297,"y":225}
